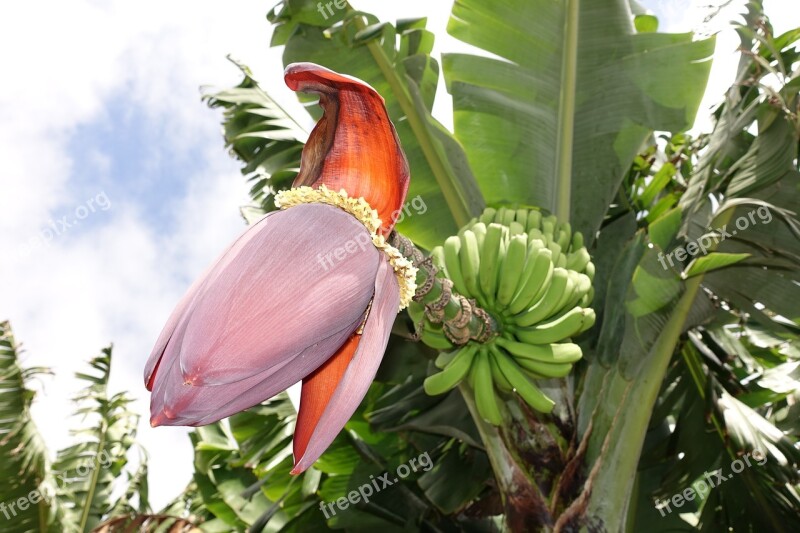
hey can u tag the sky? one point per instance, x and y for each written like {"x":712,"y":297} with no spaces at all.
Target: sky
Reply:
{"x":117,"y":190}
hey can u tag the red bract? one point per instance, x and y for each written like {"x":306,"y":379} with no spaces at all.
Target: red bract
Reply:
{"x":302,"y":295}
{"x":354,"y":145}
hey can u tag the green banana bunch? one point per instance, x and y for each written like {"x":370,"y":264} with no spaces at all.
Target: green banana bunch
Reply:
{"x":491,"y":261}
{"x":534,"y":275}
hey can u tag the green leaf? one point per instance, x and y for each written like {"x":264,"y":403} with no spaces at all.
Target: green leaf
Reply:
{"x":713,"y":261}
{"x":261,"y":135}
{"x":730,"y":169}
{"x":660,"y":179}
{"x":654,"y":288}
{"x":456,"y":479}
{"x":663,"y":230}
{"x":645,"y":23}
{"x":557,"y":120}
{"x":619,"y":286}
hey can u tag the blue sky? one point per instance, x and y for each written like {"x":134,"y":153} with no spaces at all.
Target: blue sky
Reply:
{"x":124,"y":152}
{"x":101,"y":100}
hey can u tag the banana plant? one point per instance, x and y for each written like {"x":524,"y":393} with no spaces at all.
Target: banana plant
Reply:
{"x":76,"y":492}
{"x":585,"y":428}
{"x":23,"y":450}
{"x":88,"y":469}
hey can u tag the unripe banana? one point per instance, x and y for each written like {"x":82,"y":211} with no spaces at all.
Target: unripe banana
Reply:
{"x":588,"y":320}
{"x":577,"y":241}
{"x":438,"y":257}
{"x":522,"y":218}
{"x":551,"y":220}
{"x":512,"y":269}
{"x":586,"y":300}
{"x":567,"y":325}
{"x":535,"y":276}
{"x":524,"y":387}
{"x":499,"y":378}
{"x":479,"y":230}
{"x":578,"y":259}
{"x":482,"y":383}
{"x":583,"y":286}
{"x":531,"y":374}
{"x":488,"y":215}
{"x":515,"y":228}
{"x":569,"y":292}
{"x":536,"y":245}
{"x":444,"y":358}
{"x":470,"y":264}
{"x":563,"y":238}
{"x":534,"y":220}
{"x":435,"y":339}
{"x":547,"y":304}
{"x":547,"y":370}
{"x":508,"y":217}
{"x":567,"y":228}
{"x":500,"y":215}
{"x":416,"y":311}
{"x":589,"y":270}
{"x":452,"y":261}
{"x":490,"y":258}
{"x":555,"y":248}
{"x":535,"y":234}
{"x":535,"y":279}
{"x":547,"y":278}
{"x":453,"y":373}
{"x":566,"y":352}
{"x":549,"y":227}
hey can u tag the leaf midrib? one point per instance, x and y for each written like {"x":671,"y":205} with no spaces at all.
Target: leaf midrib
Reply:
{"x":566,"y":112}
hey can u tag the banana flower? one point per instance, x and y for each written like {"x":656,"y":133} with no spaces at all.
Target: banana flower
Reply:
{"x":307,"y":293}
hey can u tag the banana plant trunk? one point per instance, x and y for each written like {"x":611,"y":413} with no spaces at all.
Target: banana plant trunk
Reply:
{"x":528,"y":456}
{"x":538,"y":464}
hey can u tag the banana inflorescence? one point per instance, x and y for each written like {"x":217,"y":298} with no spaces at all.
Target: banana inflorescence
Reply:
{"x":535,"y":276}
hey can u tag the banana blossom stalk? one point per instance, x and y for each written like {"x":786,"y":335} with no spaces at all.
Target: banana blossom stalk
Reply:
{"x":307,"y":293}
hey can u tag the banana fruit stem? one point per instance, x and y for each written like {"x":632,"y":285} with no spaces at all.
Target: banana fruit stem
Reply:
{"x":461,"y":318}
